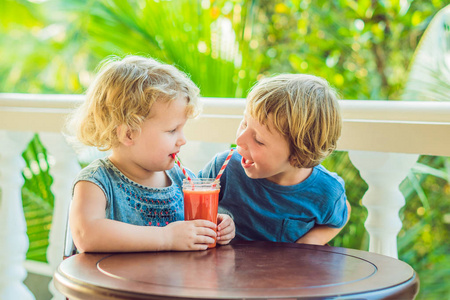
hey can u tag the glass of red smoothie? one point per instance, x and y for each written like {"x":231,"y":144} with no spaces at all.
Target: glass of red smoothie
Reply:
{"x":201,"y":200}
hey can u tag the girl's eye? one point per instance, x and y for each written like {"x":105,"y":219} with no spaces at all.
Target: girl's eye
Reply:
{"x":172,"y":131}
{"x":243,"y":124}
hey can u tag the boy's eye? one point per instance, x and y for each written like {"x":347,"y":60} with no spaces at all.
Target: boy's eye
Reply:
{"x":258,"y":142}
{"x":243,"y":124}
{"x":172,"y":131}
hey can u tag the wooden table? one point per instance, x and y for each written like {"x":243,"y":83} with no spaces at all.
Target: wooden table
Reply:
{"x":250,"y":270}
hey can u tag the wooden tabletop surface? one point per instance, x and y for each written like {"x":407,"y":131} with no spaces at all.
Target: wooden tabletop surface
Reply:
{"x":242,"y":270}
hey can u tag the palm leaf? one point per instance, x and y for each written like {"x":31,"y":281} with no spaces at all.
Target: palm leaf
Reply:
{"x":429,"y":77}
{"x":208,"y":42}
{"x":424,"y":240}
{"x":37,"y":199}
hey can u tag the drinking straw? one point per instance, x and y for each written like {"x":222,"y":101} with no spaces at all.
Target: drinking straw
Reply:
{"x":177,"y":160}
{"x":225,"y":163}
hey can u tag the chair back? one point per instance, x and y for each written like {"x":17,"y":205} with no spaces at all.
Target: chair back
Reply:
{"x":69,"y":246}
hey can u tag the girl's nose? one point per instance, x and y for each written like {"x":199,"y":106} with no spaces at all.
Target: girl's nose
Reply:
{"x":181,"y":140}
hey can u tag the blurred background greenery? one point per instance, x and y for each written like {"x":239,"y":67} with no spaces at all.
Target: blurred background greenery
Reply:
{"x":363,"y":48}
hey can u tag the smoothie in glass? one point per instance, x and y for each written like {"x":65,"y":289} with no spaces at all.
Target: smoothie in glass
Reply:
{"x":201,"y":200}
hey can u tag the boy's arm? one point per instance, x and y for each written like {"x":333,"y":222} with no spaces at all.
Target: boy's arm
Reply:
{"x":319,"y":235}
{"x":226,"y":229}
{"x":209,"y":170}
{"x":322,"y":234}
{"x":224,"y":211}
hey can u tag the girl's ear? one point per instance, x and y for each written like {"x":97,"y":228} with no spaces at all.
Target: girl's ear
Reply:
{"x":125,"y":135}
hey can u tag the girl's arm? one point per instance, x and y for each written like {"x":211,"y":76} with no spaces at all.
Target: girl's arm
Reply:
{"x":92,"y":232}
{"x":322,"y":234}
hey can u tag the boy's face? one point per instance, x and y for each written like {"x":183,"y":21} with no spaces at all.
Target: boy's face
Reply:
{"x":265,"y":152}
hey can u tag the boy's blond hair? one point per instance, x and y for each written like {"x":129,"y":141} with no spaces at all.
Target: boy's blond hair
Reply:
{"x":304,"y":109}
{"x":123,"y":93}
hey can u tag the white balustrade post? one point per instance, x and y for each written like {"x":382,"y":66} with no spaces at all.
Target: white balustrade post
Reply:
{"x":383,"y":172}
{"x":13,"y":229}
{"x":63,"y":170}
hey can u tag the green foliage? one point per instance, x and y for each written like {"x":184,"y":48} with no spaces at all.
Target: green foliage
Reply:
{"x":354,"y":234}
{"x":363,"y":48}
{"x":423,"y":240}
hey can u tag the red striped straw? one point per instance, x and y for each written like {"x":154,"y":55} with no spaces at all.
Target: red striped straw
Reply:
{"x":177,"y":160}
{"x":225,"y":163}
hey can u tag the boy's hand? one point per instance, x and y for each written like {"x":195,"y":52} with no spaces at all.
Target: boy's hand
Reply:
{"x":189,"y":235}
{"x":225,"y":230}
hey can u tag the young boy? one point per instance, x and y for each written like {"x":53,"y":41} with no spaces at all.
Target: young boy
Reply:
{"x":275,"y":187}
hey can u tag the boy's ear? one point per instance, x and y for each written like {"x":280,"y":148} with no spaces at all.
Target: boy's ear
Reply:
{"x":293,"y":161}
{"x":125,"y":135}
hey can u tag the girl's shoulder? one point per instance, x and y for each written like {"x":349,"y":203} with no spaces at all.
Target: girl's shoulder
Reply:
{"x":100,"y":172}
{"x":99,"y":167}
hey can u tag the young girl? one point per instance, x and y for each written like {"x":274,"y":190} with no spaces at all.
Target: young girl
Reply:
{"x":133,"y":200}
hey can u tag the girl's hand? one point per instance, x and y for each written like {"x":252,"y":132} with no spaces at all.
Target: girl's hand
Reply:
{"x":189,"y":235}
{"x":225,"y":230}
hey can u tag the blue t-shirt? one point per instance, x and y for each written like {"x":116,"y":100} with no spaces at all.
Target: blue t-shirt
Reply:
{"x":130,"y":202}
{"x":265,"y":211}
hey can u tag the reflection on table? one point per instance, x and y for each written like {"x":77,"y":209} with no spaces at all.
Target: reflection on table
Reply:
{"x":242,"y":270}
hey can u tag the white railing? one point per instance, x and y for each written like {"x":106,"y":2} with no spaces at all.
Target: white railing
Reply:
{"x":384,"y":140}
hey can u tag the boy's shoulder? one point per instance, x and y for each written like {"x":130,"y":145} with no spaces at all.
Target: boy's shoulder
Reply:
{"x":212,"y":168}
{"x":220,"y":157}
{"x":328,"y":179}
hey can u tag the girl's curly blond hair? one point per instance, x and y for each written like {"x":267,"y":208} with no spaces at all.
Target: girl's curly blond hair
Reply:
{"x":123,"y":93}
{"x":304,"y":109}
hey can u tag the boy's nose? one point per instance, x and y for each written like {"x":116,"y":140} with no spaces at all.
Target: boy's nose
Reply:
{"x":240,"y":140}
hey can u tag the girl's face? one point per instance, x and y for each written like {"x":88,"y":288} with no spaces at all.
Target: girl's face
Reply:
{"x":161,"y":136}
{"x":265,"y":152}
